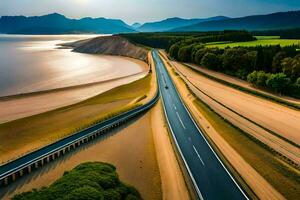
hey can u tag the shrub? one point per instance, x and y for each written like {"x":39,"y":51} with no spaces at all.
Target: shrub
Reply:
{"x":211,"y":61}
{"x":173,"y":51}
{"x":232,"y":59}
{"x":278,"y":82}
{"x":262,"y":78}
{"x":184,"y":53}
{"x":88,"y":181}
{"x":298,"y":81}
{"x":293,"y":90}
{"x":277,"y":60}
{"x":252,"y":78}
{"x":199,"y":55}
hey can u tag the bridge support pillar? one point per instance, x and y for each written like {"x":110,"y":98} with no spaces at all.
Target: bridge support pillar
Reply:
{"x":53,"y":156}
{"x":13,"y":177}
{"x":58,"y":154}
{"x":21,"y":172}
{"x":29,"y":169}
{"x":42,"y":162}
{"x":6,"y":181}
{"x":64,"y":151}
{"x":48,"y":159}
{"x":36,"y":165}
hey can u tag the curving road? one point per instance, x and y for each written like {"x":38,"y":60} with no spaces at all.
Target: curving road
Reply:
{"x":14,"y":167}
{"x":209,"y":176}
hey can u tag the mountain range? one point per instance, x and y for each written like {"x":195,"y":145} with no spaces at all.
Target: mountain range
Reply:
{"x":280,"y":20}
{"x":59,"y":24}
{"x":173,"y":23}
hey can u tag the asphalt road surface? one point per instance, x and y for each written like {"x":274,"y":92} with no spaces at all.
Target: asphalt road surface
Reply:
{"x":210,"y":177}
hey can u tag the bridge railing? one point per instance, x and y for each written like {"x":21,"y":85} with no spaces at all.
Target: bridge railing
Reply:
{"x":17,"y":168}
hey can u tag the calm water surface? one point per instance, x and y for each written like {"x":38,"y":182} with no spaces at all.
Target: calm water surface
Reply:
{"x":34,"y":63}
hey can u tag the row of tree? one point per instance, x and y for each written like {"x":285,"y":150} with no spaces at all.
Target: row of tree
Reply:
{"x":272,"y":67}
{"x":283,"y":34}
{"x":166,"y":40}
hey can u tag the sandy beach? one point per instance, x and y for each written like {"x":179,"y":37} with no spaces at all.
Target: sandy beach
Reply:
{"x":130,"y":149}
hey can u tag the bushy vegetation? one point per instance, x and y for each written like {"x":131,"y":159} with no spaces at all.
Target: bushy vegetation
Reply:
{"x":166,"y":40}
{"x":283,"y":34}
{"x":273,"y":67}
{"x":88,"y":181}
{"x":268,"y":62}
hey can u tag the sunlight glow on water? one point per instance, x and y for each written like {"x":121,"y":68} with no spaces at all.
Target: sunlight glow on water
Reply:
{"x":34,"y":63}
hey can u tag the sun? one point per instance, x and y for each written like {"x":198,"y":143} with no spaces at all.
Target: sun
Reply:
{"x":82,"y":1}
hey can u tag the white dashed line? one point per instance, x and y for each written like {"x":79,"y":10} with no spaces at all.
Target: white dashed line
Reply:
{"x":198,"y":155}
{"x":180,"y":120}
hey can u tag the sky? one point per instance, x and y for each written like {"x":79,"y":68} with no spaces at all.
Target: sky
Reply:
{"x":146,"y":10}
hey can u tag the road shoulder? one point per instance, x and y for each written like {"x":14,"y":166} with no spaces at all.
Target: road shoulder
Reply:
{"x":252,"y":178}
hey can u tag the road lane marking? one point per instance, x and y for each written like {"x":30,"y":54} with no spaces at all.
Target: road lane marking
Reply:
{"x":180,"y":120}
{"x":198,"y":155}
{"x":174,"y":107}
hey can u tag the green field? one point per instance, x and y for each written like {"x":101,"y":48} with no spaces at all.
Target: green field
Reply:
{"x":267,"y":37}
{"x":262,"y":40}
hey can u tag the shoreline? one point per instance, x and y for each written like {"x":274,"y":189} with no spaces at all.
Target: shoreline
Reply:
{"x":28,"y":104}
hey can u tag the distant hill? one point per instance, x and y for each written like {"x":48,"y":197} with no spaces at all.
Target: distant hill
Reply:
{"x":280,"y":20}
{"x":109,"y":45}
{"x":136,"y":25}
{"x":171,"y":23}
{"x":59,"y":24}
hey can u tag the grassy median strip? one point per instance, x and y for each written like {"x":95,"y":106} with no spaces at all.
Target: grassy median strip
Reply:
{"x":253,"y":92}
{"x":21,"y":136}
{"x":282,"y":176}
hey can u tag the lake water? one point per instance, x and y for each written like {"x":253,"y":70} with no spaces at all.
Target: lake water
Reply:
{"x":34,"y":63}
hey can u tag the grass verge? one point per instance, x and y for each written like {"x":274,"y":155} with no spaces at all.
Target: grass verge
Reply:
{"x":282,"y":176}
{"x":24,"y":135}
{"x":249,"y":91}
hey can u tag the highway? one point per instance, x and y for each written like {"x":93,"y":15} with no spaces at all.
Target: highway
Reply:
{"x":208,"y":174}
{"x":14,"y":167}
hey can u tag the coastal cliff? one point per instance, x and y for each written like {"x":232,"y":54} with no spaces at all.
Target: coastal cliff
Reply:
{"x":109,"y":45}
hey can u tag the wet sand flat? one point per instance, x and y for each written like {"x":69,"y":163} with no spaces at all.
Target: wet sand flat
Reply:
{"x":130,"y":149}
{"x":28,"y":105}
{"x":36,"y":63}
{"x":27,"y":134}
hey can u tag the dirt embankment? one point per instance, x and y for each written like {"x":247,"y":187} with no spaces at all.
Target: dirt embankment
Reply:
{"x":249,"y":113}
{"x":110,"y":45}
{"x":241,"y":83}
